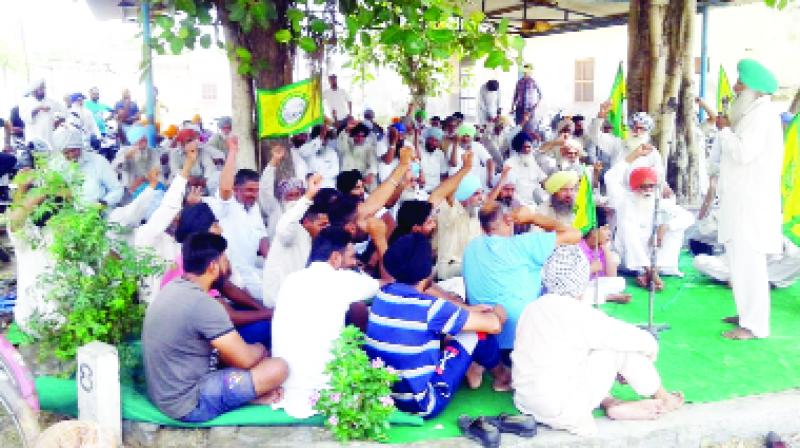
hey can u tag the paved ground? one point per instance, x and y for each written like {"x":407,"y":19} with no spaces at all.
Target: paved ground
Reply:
{"x":738,"y":423}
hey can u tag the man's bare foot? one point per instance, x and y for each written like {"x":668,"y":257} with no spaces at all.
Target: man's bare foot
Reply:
{"x":271,"y":397}
{"x":502,"y":378}
{"x":649,"y":409}
{"x":659,"y":284}
{"x":474,"y":375}
{"x":739,"y":334}
{"x":670,"y":400}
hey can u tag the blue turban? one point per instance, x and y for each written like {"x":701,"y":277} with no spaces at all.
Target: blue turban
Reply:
{"x":400,"y":127}
{"x":468,"y":186}
{"x":135,"y":133}
{"x":409,"y":259}
{"x":756,"y":77}
{"x":436,"y":133}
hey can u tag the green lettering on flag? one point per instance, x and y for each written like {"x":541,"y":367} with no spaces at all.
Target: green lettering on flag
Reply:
{"x":290,"y":109}
{"x":616,"y":114}
{"x":790,"y":185}
{"x":724,"y":93}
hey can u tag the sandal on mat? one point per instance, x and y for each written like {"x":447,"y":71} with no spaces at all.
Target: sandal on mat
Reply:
{"x":521,"y":425}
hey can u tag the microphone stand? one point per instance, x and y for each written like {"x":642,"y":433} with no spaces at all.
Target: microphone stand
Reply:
{"x":650,"y":327}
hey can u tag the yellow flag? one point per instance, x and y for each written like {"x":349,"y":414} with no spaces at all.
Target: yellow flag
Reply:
{"x":790,"y":185}
{"x":724,"y":93}
{"x":585,"y":214}
{"x":290,"y":109}
{"x":615,"y":113}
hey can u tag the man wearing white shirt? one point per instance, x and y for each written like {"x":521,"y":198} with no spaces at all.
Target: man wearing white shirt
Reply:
{"x":100,"y":183}
{"x":80,"y":117}
{"x":337,"y":102}
{"x":236,"y":207}
{"x":310,"y":313}
{"x":489,"y":102}
{"x":300,"y":223}
{"x":432,"y":161}
{"x":39,"y":113}
{"x":482,"y":162}
{"x":529,"y":176}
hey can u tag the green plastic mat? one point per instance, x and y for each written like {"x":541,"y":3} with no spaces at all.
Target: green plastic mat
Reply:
{"x":60,"y":395}
{"x":693,"y":356}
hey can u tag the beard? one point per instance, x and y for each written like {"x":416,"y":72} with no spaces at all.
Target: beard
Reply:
{"x":508,"y":201}
{"x":473,"y":209}
{"x":644,"y":203}
{"x":561,"y":207}
{"x":634,"y":142}
{"x":741,"y":104}
{"x":430,"y":148}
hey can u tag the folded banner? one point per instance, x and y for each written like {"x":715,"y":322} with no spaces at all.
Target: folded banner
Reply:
{"x":289,"y":109}
{"x":724,"y":93}
{"x":790,"y":185}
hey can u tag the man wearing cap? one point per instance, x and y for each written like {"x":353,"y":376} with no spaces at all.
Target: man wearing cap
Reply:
{"x":79,"y":117}
{"x":100,"y":184}
{"x":526,"y":97}
{"x":562,"y":187}
{"x":39,"y":113}
{"x":567,"y":356}
{"x":217,"y":141}
{"x":751,"y":146}
{"x":338,"y":106}
{"x":489,"y":102}
{"x":406,"y":326}
{"x":634,"y":208}
{"x":482,"y":163}
{"x":527,"y":173}
{"x":97,"y":109}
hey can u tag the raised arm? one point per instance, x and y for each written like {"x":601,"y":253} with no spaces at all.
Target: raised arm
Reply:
{"x":229,"y":169}
{"x":564,"y":234}
{"x":496,"y":190}
{"x":448,"y":186}
{"x":378,"y":198}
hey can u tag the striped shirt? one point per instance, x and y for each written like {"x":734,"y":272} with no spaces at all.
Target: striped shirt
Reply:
{"x":405,"y":330}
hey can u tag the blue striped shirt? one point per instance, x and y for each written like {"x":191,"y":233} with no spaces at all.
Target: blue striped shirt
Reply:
{"x":405,"y":330}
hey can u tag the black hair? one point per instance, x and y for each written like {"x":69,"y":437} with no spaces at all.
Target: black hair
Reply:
{"x":343,"y":210}
{"x":245,"y":175}
{"x":411,"y":213}
{"x":347,"y":180}
{"x":492,"y":85}
{"x":360,"y":128}
{"x":458,"y":116}
{"x":313,"y":212}
{"x":194,"y":219}
{"x":200,"y":249}
{"x":330,"y":240}
{"x":436,"y":118}
{"x":325,"y":199}
{"x":315,"y":131}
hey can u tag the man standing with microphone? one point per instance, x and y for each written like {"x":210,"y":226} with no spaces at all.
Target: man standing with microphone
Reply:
{"x":751,"y":146}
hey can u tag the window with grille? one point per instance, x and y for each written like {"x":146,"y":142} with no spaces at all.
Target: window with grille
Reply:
{"x":584,"y":80}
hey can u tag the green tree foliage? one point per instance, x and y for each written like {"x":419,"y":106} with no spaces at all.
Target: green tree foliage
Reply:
{"x":417,"y":38}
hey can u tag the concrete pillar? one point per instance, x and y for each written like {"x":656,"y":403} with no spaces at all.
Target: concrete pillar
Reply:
{"x":97,"y":379}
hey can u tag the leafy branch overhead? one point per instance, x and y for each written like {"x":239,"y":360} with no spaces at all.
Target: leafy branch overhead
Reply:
{"x":418,"y":38}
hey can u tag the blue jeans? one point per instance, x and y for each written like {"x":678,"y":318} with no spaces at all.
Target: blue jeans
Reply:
{"x":222,"y":391}
{"x":260,"y":331}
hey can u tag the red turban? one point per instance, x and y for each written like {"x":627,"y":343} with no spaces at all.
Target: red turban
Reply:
{"x":640,"y":175}
{"x":185,"y":136}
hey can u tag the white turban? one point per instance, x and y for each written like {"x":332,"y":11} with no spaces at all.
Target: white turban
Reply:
{"x":566,"y":272}
{"x":67,"y":137}
{"x":34,"y":85}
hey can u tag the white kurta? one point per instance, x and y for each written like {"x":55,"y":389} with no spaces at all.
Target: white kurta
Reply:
{"x":529,"y":177}
{"x":289,"y":251}
{"x":751,"y":156}
{"x":41,"y":125}
{"x":566,"y":357}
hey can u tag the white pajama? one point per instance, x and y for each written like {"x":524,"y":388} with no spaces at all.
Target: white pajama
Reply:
{"x":750,"y":285}
{"x":606,"y":286}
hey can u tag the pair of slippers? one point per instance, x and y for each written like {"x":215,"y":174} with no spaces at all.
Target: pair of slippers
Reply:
{"x":486,"y":430}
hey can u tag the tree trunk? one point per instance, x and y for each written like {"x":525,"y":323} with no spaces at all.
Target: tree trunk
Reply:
{"x":795,"y":107}
{"x":660,"y":68}
{"x":242,"y":112}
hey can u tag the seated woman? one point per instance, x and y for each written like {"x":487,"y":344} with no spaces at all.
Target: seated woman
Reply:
{"x":567,"y":356}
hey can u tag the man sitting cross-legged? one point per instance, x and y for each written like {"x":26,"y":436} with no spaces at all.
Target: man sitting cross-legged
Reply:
{"x":182,"y":329}
{"x":406,"y":327}
{"x":567,"y":355}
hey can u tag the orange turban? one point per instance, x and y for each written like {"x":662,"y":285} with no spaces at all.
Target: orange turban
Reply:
{"x":171,"y":131}
{"x":640,"y":175}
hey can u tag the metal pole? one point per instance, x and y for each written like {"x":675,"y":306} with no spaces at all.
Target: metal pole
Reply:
{"x":147,"y":62}
{"x":703,"y":57}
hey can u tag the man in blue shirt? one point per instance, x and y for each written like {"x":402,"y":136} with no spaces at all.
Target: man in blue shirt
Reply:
{"x":503,"y":268}
{"x":97,"y":109}
{"x":406,"y":327}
